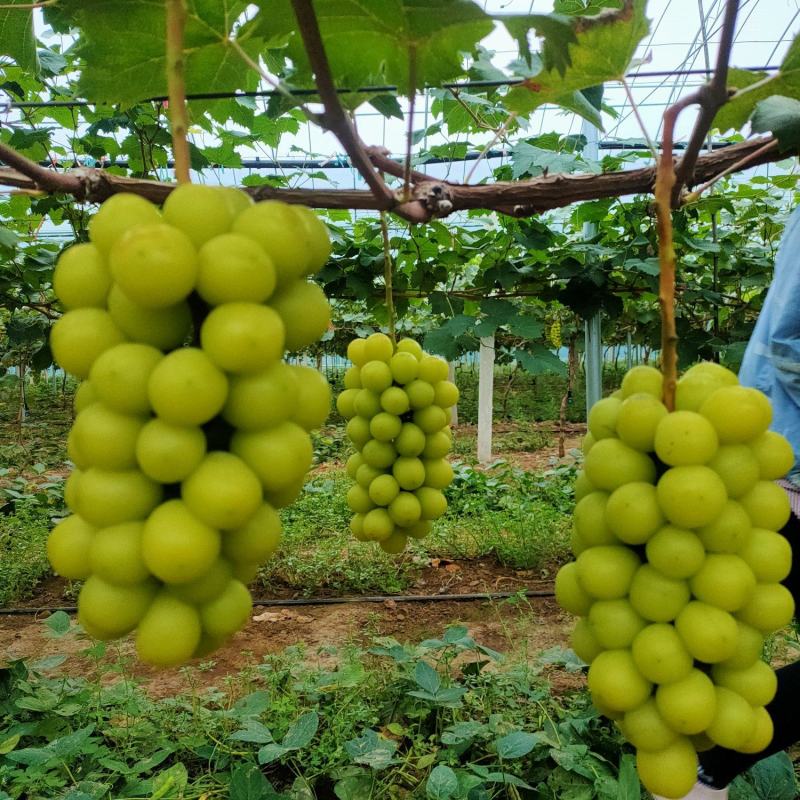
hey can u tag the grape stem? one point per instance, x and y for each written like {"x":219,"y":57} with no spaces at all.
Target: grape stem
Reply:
{"x":176,"y":88}
{"x":387,"y":278}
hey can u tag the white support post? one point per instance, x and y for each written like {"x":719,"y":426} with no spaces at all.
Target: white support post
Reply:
{"x":485,"y":396}
{"x":451,"y":376}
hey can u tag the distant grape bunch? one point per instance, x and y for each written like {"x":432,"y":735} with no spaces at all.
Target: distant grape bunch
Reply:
{"x":396,"y":401}
{"x":190,"y":430}
{"x":678,"y":567}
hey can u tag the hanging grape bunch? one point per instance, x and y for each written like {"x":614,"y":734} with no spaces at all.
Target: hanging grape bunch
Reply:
{"x":677,"y":570}
{"x":396,"y":401}
{"x":190,"y":430}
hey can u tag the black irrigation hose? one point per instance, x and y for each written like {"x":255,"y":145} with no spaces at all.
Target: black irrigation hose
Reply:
{"x":331,"y":601}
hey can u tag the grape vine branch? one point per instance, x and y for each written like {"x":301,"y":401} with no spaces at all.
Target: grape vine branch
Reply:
{"x":176,"y":88}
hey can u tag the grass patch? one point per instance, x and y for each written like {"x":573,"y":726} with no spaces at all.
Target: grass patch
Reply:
{"x":23,"y":558}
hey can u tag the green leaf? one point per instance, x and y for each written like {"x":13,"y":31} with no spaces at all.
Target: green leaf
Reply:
{"x":58,"y":623}
{"x":124,"y":69}
{"x":17,"y":38}
{"x":372,"y":750}
{"x":7,"y":745}
{"x":170,"y":783}
{"x":628,"y":786}
{"x":603,"y":49}
{"x":442,"y":783}
{"x":8,"y":238}
{"x":462,"y":732}
{"x":649,"y":266}
{"x":388,"y":105}
{"x":427,"y":678}
{"x":786,"y":82}
{"x":302,"y":731}
{"x":248,"y":783}
{"x":271,"y":752}
{"x":529,"y":160}
{"x":536,"y":359}
{"x":374,"y":40}
{"x":516,"y":744}
{"x":556,"y":30}
{"x":781,"y":117}
{"x":773,"y":778}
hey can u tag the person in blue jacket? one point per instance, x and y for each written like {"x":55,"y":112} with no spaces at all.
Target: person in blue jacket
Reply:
{"x":772,"y":365}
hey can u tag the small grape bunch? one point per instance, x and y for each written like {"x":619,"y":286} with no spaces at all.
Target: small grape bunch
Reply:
{"x":678,"y":567}
{"x":396,"y":401}
{"x":191,"y":431}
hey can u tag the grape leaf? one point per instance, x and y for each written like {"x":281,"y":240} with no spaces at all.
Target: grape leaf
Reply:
{"x":780,"y":116}
{"x":786,"y":82}
{"x":555,"y":29}
{"x":16,"y":35}
{"x":603,"y":48}
{"x":124,"y":69}
{"x":369,"y":41}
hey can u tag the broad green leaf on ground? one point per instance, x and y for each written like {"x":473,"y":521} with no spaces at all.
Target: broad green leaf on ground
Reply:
{"x":17,"y":39}
{"x":124,"y":69}
{"x":786,"y":82}
{"x":371,"y":749}
{"x":369,"y":41}
{"x":442,"y":783}
{"x":780,"y":116}
{"x":603,"y":49}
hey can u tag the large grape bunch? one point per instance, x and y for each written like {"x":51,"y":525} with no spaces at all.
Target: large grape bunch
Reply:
{"x":396,"y":401}
{"x":678,"y":567}
{"x":191,"y":430}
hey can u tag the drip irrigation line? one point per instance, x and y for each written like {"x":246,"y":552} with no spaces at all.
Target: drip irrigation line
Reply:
{"x":386,"y":89}
{"x":331,"y":601}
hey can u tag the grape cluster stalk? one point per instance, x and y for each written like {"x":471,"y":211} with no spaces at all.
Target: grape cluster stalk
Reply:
{"x":191,"y":430}
{"x":678,"y":567}
{"x":396,"y":400}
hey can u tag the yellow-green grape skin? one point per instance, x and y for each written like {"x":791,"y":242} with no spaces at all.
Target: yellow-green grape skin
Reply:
{"x":313,"y":397}
{"x":380,"y":455}
{"x":432,"y":502}
{"x":757,"y":683}
{"x":749,"y":646}
{"x":691,"y":496}
{"x":430,"y":419}
{"x":165,"y":328}
{"x":108,"y":612}
{"x":615,"y":682}
{"x":738,"y":468}
{"x":200,"y":212}
{"x":762,"y":733}
{"x":317,"y":239}
{"x":405,"y":509}
{"x":68,"y":548}
{"x":395,"y":401}
{"x":409,"y":472}
{"x":305,"y":312}
{"x":638,"y":420}
{"x":378,"y":525}
{"x":583,"y":486}
{"x":353,"y":464}
{"x":223,"y":491}
{"x":154,"y":265}
{"x":738,"y":414}
{"x":394,"y":544}
{"x":237,"y":200}
{"x":709,"y":633}
{"x":606,"y":572}
{"x":106,"y":438}
{"x":684,"y":438}
{"x":376,"y":376}
{"x":655,"y":596}
{"x":243,"y":337}
{"x":404,"y":367}
{"x":367,"y":403}
{"x":81,"y":278}
{"x":378,"y":347}
{"x":106,"y":497}
{"x":357,"y":527}
{"x":583,"y":641}
{"x":767,"y":505}
{"x":770,"y":607}
{"x":433,"y":369}
{"x":169,"y":632}
{"x":728,"y":531}
{"x":358,"y":499}
{"x":675,"y":552}
{"x":693,"y":390}
{"x":660,"y":655}
{"x":228,"y":612}
{"x":717,"y":372}
{"x":187,"y":388}
{"x":670,"y":772}
{"x":120,"y":376}
{"x":85,"y":395}
{"x":642,"y":379}
{"x":357,"y":430}
{"x":603,"y":418}
{"x":262,"y":399}
{"x":256,"y":540}
{"x":768,"y":554}
{"x":279,"y":456}
{"x":610,"y":464}
{"x":345,"y":403}
{"x":71,"y":488}
{"x":176,"y":545}
{"x":438,"y":473}
{"x":445,"y":394}
{"x":352,"y":378}
{"x":733,"y":721}
{"x":687,"y":705}
{"x":383,"y":490}
{"x":279,"y":231}
{"x":118,"y":214}
{"x":589,"y":520}
{"x":587,"y":443}
{"x":420,"y":394}
{"x":365,"y":474}
{"x":80,"y":336}
{"x":437,"y":445}
{"x":356,"y":352}
{"x":233,"y":268}
{"x":169,"y":453}
{"x":724,"y":581}
{"x":410,"y":346}
{"x":615,"y":623}
{"x":116,"y":554}
{"x":569,"y":593}
{"x":645,"y":728}
{"x":633,"y":512}
{"x":206,"y":586}
{"x":773,"y":454}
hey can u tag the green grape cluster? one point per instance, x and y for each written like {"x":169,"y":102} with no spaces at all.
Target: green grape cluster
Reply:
{"x":396,"y":401}
{"x":678,"y":564}
{"x":191,"y":431}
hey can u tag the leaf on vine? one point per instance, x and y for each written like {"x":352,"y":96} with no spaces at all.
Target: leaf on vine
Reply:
{"x":557,"y":33}
{"x":124,"y":69}
{"x":603,"y":48}
{"x":755,"y":87}
{"x":536,"y":359}
{"x":529,"y":160}
{"x":17,"y":39}
{"x":781,"y":117}
{"x":370,"y":41}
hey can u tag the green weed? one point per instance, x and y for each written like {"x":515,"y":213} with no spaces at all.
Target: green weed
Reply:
{"x":23,"y":559}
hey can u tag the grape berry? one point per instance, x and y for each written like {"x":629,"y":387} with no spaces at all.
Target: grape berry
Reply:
{"x":678,"y":563}
{"x":190,"y":431}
